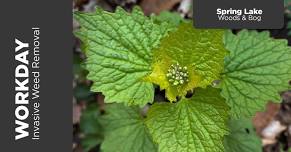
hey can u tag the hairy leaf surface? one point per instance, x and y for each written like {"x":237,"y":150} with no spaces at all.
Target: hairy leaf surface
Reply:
{"x":197,"y":124}
{"x":119,"y":47}
{"x":257,"y":68}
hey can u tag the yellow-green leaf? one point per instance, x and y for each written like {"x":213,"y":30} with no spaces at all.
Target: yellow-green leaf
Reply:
{"x":200,"y":52}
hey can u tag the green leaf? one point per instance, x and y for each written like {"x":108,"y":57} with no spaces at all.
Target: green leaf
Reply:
{"x":90,"y":142}
{"x":287,"y":2}
{"x":82,"y":92}
{"x":174,"y":19}
{"x":119,"y":47}
{"x":125,"y":130}
{"x":197,"y":124}
{"x":242,"y":137}
{"x":91,"y":128}
{"x":257,"y":68}
{"x":79,"y":71}
{"x":289,"y":27}
{"x":89,"y":122}
{"x":200,"y":51}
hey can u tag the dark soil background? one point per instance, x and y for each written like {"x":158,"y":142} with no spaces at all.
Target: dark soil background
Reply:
{"x":273,"y":125}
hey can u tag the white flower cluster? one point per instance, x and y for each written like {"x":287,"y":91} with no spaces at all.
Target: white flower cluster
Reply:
{"x":177,"y":75}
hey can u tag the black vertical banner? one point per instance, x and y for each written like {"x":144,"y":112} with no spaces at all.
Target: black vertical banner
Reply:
{"x":36,"y":76}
